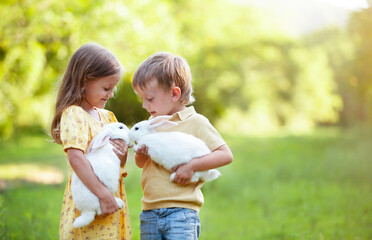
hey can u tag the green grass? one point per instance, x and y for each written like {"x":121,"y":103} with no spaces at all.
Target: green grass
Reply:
{"x":317,"y":186}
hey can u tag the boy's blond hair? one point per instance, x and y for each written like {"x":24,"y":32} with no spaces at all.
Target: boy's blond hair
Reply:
{"x":168,"y":70}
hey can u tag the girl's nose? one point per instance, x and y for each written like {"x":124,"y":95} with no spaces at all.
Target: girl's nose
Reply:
{"x":111,"y":94}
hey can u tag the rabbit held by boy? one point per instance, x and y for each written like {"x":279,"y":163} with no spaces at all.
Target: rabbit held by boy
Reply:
{"x":106,"y":165}
{"x":170,"y":149}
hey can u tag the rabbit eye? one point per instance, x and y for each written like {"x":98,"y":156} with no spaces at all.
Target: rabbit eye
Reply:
{"x":136,"y":128}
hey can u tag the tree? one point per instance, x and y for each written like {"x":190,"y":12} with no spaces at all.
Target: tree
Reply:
{"x":360,"y":82}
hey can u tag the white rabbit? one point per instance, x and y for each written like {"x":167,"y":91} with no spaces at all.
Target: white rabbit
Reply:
{"x":106,"y":165}
{"x":170,"y":149}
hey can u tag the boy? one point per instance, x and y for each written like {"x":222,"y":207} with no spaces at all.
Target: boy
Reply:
{"x":170,"y":209}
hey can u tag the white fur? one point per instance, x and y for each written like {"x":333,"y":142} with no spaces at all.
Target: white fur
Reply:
{"x":106,"y":165}
{"x":170,"y":149}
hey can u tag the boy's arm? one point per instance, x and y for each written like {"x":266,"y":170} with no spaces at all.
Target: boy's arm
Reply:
{"x":84,"y":171}
{"x":218,"y":158}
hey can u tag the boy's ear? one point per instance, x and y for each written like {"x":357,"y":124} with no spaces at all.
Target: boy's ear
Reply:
{"x":176,"y":93}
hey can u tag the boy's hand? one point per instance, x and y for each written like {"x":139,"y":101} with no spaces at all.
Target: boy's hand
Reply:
{"x":183,"y":174}
{"x":141,"y":156}
{"x":143,"y":151}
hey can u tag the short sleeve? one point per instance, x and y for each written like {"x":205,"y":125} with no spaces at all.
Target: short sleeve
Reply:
{"x":107,"y":116}
{"x":112,"y":117}
{"x":74,"y":129}
{"x":209,"y":134}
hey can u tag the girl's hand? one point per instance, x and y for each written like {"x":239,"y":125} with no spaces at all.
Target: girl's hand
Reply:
{"x":121,"y":150}
{"x":108,"y":203}
{"x":183,"y":174}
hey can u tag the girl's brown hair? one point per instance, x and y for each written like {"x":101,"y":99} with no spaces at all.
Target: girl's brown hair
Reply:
{"x":168,"y":70}
{"x":90,"y":62}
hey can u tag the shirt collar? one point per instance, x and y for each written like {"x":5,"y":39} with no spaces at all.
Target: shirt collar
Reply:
{"x":185,"y":113}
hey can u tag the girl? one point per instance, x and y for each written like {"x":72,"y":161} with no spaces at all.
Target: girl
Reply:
{"x":90,"y":78}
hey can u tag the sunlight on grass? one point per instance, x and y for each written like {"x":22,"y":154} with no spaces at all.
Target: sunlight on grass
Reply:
{"x":31,"y":173}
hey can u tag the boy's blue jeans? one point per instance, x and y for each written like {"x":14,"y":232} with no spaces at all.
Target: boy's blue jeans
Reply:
{"x":170,"y":223}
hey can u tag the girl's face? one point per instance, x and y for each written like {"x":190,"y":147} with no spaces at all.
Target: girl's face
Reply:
{"x":97,"y":92}
{"x":158,"y":101}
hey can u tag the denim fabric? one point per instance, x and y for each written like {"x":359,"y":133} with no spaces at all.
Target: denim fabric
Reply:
{"x":170,"y":224}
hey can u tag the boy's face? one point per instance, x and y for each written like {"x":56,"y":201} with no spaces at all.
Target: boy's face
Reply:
{"x":158,"y":101}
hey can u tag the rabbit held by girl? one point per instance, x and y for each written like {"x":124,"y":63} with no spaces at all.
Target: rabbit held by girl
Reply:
{"x":106,"y":165}
{"x":170,"y":149}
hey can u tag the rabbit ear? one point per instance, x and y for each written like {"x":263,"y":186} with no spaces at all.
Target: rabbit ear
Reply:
{"x":159,"y":119}
{"x":99,"y":140}
{"x":161,"y":122}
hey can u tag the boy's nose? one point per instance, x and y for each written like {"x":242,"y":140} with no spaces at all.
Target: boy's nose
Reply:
{"x":144,"y":105}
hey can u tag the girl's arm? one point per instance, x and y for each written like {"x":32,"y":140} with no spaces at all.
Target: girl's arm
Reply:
{"x":218,"y":158}
{"x":141,"y":156}
{"x":84,"y":171}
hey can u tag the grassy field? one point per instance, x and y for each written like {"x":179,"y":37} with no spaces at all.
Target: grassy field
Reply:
{"x":317,"y":186}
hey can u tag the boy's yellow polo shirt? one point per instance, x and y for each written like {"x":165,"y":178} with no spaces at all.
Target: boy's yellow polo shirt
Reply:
{"x":158,"y":190}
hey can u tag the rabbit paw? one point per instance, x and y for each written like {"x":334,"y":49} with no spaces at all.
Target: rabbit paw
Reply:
{"x":99,"y":212}
{"x":135,"y":148}
{"x":195,"y":178}
{"x":119,"y":202}
{"x":172,"y":176}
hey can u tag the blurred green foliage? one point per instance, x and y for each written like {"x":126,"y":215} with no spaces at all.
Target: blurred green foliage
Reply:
{"x":245,"y":69}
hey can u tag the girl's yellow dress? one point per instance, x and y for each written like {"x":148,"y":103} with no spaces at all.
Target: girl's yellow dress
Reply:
{"x":77,"y":130}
